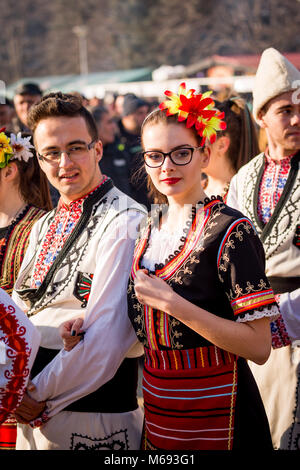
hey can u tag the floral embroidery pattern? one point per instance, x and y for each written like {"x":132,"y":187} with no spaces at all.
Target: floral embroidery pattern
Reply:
{"x":68,"y":266}
{"x":280,"y":337}
{"x":63,"y":224}
{"x":241,"y":226}
{"x":283,"y":227}
{"x":18,"y":349}
{"x":271,"y":186}
{"x":248,"y":297}
{"x":14,"y":245}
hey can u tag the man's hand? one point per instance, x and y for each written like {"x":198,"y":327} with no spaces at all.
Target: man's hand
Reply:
{"x":29,"y":409}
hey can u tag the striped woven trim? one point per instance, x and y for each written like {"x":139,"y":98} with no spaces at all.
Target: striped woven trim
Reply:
{"x":139,"y":249}
{"x":252,"y":301}
{"x":150,"y":326}
{"x":176,"y":359}
{"x":229,"y":230}
{"x":163,"y":329}
{"x":192,"y":240}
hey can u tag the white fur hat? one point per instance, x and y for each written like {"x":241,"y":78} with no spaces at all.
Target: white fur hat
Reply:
{"x":274,"y":75}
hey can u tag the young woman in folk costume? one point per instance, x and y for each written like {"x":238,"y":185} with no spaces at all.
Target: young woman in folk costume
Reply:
{"x":234,"y":146}
{"x":198,"y":296}
{"x":24,"y":198}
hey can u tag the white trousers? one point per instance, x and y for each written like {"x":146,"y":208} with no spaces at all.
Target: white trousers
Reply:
{"x":70,"y":430}
{"x":278,"y":381}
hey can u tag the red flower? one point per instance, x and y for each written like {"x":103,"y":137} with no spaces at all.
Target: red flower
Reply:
{"x":195,"y":107}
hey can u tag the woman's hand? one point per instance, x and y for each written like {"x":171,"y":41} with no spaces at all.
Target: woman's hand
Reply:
{"x":153,"y":291}
{"x":71,"y":333}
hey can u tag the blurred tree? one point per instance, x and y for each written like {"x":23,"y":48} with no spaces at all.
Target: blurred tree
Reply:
{"x":37,"y":37}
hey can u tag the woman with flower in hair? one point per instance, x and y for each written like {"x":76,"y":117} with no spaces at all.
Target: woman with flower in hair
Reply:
{"x":24,"y":198}
{"x":198,"y":296}
{"x":233,"y":147}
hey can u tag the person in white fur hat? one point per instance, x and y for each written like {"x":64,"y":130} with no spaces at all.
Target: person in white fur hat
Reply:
{"x":267,"y":190}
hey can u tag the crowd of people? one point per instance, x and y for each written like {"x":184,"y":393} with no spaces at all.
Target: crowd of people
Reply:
{"x":157,"y":233}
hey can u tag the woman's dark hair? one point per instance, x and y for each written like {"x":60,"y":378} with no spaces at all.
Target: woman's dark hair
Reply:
{"x":240,"y":129}
{"x":159,"y":117}
{"x":61,"y":105}
{"x":32,"y":182}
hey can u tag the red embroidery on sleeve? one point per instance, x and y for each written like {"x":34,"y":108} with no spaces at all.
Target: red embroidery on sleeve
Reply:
{"x":17,"y":349}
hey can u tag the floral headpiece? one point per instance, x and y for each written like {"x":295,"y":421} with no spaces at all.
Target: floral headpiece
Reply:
{"x":197,"y":109}
{"x":14,"y":147}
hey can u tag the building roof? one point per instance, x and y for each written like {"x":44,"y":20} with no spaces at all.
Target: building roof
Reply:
{"x":246,"y":63}
{"x":69,"y":83}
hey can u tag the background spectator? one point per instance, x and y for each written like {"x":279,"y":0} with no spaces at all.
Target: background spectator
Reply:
{"x":26,"y":96}
{"x":7,"y":113}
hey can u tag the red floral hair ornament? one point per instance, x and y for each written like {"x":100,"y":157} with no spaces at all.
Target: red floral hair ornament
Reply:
{"x":197,"y":109}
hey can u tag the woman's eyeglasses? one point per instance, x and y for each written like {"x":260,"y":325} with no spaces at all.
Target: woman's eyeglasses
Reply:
{"x":181,"y":156}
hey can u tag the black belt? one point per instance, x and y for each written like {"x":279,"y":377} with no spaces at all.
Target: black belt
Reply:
{"x":284,"y":284}
{"x":118,"y":395}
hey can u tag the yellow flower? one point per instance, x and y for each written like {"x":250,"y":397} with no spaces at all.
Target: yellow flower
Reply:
{"x":6,"y":152}
{"x":207,"y":128}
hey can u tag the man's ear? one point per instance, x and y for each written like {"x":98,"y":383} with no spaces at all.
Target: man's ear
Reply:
{"x":261,"y":119}
{"x":99,"y":150}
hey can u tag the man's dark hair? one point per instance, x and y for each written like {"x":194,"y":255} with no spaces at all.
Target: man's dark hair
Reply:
{"x":61,"y":105}
{"x":28,"y":89}
{"x":98,"y":113}
{"x":132,"y":103}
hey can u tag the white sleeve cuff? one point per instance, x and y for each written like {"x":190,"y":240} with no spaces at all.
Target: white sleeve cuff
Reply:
{"x":289,"y":304}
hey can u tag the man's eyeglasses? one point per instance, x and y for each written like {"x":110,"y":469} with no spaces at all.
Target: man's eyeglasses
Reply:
{"x":181,"y":156}
{"x":74,"y":153}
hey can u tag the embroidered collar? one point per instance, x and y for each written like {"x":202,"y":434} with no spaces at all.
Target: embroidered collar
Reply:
{"x":34,"y":294}
{"x":265,"y":229}
{"x":77,"y":203}
{"x":281,"y":162}
{"x":199,"y":216}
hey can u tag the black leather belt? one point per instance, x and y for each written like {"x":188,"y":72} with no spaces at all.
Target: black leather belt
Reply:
{"x":118,"y":395}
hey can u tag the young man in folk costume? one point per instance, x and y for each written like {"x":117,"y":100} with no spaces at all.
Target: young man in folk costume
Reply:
{"x":267,"y":190}
{"x":77,"y":264}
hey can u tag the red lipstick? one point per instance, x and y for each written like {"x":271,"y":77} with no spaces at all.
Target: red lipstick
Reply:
{"x":171,"y":180}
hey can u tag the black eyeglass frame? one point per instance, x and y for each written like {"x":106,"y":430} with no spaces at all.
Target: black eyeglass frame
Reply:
{"x":169,"y":154}
{"x":49,"y":160}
